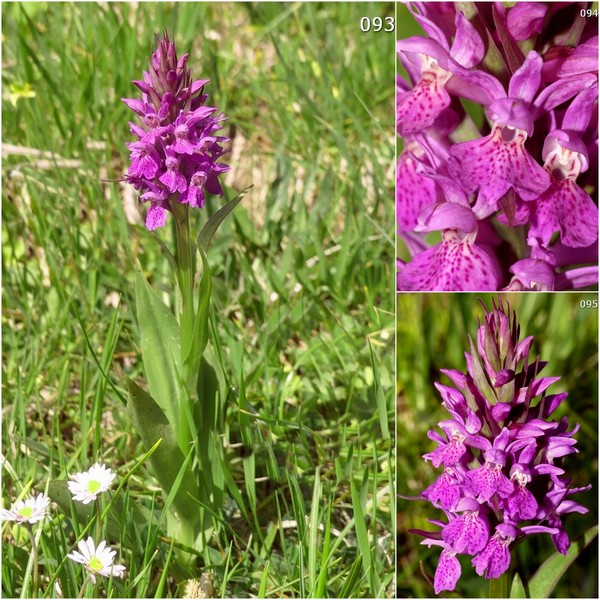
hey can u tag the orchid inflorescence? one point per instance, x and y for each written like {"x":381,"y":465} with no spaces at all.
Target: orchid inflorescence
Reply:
{"x":174,"y":159}
{"x":510,"y":196}
{"x":500,"y":454}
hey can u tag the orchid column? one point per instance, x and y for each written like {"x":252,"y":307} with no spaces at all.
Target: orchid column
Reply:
{"x":174,"y":164}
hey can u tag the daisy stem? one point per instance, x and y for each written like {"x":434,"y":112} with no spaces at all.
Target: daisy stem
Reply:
{"x":85,"y":582}
{"x":99,"y":518}
{"x":34,"y":553}
{"x":499,"y":586}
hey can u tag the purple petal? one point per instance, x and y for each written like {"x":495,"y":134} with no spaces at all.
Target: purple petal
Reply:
{"x":444,"y":491}
{"x":156,"y":217}
{"x":559,"y":92}
{"x":525,"y":19}
{"x":467,"y":534}
{"x":487,"y":480}
{"x":468,"y":48}
{"x":428,"y":24}
{"x":419,"y":109}
{"x":525,"y":82}
{"x":522,"y":504}
{"x":508,"y":112}
{"x":583,"y":60}
{"x":473,"y":85}
{"x":565,"y":207}
{"x":452,"y":265}
{"x":551,"y":403}
{"x":413,"y":191}
{"x":174,"y":180}
{"x":534,"y":274}
{"x":494,"y":164}
{"x":446,"y":215}
{"x":577,"y":278}
{"x":447,"y":572}
{"x":501,"y":410}
{"x":580,"y":110}
{"x":446,"y":454}
{"x":495,"y":558}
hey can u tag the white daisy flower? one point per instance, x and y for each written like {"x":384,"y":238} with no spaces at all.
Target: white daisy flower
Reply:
{"x":97,"y":561}
{"x":86,"y":486}
{"x":31,"y":510}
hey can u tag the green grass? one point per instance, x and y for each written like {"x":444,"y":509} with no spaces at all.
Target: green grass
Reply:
{"x":432,"y":334}
{"x":302,"y":318}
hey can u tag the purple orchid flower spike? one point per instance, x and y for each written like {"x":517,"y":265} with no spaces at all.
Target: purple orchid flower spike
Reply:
{"x":500,"y":455}
{"x":175,"y":157}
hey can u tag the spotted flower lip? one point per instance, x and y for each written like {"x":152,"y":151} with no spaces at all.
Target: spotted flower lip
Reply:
{"x":523,"y":161}
{"x":500,"y":455}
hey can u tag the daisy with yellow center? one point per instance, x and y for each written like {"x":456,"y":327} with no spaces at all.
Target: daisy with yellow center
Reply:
{"x":85,"y":487}
{"x":31,"y":510}
{"x":97,"y":560}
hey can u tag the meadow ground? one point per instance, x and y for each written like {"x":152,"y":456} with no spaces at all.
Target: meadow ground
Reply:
{"x":302,"y":315}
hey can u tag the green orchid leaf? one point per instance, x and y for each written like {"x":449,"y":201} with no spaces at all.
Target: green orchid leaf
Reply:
{"x":161,"y":349}
{"x":210,"y":227}
{"x":170,"y":467}
{"x":209,"y":419}
{"x":516,"y":589}
{"x":543,"y":582}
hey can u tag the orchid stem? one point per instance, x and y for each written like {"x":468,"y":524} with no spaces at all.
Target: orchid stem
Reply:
{"x":185,"y":276}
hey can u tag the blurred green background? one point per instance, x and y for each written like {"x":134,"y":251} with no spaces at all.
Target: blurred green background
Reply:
{"x":432,"y":333}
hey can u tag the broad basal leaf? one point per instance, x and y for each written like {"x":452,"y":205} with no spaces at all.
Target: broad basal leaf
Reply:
{"x":161,"y":349}
{"x":168,"y":460}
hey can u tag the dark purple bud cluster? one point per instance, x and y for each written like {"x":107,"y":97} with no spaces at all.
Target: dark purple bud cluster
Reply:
{"x":510,"y":196}
{"x":501,"y":453}
{"x":174,"y":159}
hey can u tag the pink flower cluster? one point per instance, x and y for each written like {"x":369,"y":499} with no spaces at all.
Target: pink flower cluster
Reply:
{"x":510,"y":195}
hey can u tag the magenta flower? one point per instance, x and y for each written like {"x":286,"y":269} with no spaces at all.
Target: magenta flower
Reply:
{"x":501,"y":455}
{"x":175,"y":159}
{"x":527,"y":173}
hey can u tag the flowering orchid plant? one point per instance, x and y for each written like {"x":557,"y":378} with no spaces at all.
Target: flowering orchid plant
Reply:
{"x":174,"y":165}
{"x":510,"y":190}
{"x":500,"y":455}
